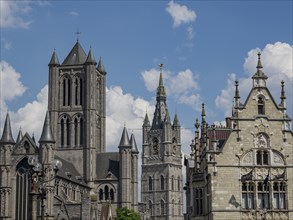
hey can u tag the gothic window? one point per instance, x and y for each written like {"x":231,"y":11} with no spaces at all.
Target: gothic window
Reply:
{"x":162,"y":207}
{"x":262,"y":157}
{"x":172,"y":183}
{"x":65,"y":131}
{"x":78,"y":131}
{"x":106,"y":193}
{"x":247,"y":195}
{"x":178,"y":183}
{"x":101,"y":194}
{"x":66,"y":91}
{"x":263,"y":198}
{"x":150,"y":183}
{"x":198,"y":201}
{"x":150,"y":207}
{"x":162,"y":182}
{"x":112,"y":194}
{"x":279,"y":195}
{"x":173,"y":207}
{"x":261,"y":106}
{"x":78,"y":91}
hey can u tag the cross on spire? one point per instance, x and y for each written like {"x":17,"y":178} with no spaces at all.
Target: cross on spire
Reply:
{"x":77,"y":34}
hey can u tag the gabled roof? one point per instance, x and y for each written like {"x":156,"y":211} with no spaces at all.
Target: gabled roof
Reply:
{"x":219,"y":134}
{"x":76,"y":56}
{"x":107,"y":162}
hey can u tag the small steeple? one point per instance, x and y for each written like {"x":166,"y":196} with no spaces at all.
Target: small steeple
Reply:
{"x":54,"y":60}
{"x":133,"y":144}
{"x":146,"y":121}
{"x":259,"y":73}
{"x":283,"y":96}
{"x":90,"y":58}
{"x":19,"y":136}
{"x":176,"y":121}
{"x":203,"y":113}
{"x":124,"y":142}
{"x":101,"y":68}
{"x":161,"y":94}
{"x":7,"y":134}
{"x":237,"y":96}
{"x":47,"y":136}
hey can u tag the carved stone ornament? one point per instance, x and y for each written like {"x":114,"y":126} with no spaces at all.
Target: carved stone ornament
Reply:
{"x":247,"y":159}
{"x":278,"y":159}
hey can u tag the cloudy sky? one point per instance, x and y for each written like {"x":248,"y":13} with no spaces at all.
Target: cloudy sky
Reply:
{"x":204,"y":46}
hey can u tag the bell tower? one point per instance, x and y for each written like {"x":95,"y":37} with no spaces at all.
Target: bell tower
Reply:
{"x":161,"y":161}
{"x":77,"y":108}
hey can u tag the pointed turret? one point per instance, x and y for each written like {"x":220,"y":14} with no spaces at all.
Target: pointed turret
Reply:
{"x":124,"y":141}
{"x":90,"y":58}
{"x":47,"y":136}
{"x":167,"y":117}
{"x":7,"y":134}
{"x":54,"y":60}
{"x":19,"y":136}
{"x":161,"y":94}
{"x":283,"y":96}
{"x":176,"y":121}
{"x":146,"y":121}
{"x":101,"y":68}
{"x":133,"y":144}
{"x":76,"y":56}
{"x":259,"y":78}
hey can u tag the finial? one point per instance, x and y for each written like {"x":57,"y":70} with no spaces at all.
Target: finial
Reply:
{"x":77,"y":34}
{"x":203,"y":111}
{"x":259,"y":65}
{"x":237,"y":96}
{"x":161,"y":67}
{"x":196,"y":124}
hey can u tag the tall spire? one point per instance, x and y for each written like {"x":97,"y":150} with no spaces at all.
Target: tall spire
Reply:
{"x":133,"y":144}
{"x":101,"y":68}
{"x":124,"y":141}
{"x":54,"y":60}
{"x":19,"y":136}
{"x":7,"y":134}
{"x":161,"y":94}
{"x":283,"y":96}
{"x":90,"y":58}
{"x":47,"y":136}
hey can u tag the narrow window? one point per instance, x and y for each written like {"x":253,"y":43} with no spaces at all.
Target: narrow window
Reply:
{"x":162,"y":207}
{"x":150,"y":183}
{"x":178,"y":183}
{"x":150,"y":207}
{"x":261,"y":106}
{"x":172,"y":183}
{"x":106,"y":193}
{"x":112,"y":194}
{"x":81,"y":131}
{"x":101,"y":194}
{"x":162,"y":182}
{"x":62,"y":132}
{"x":263,"y":201}
{"x":76,"y":132}
{"x":247,"y":195}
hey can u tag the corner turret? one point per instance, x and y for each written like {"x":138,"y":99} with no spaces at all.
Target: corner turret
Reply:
{"x":7,"y":137}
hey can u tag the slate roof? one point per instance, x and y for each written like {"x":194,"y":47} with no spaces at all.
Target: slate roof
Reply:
{"x":69,"y":172}
{"x":221,"y":135}
{"x":107,"y":165}
{"x":76,"y":56}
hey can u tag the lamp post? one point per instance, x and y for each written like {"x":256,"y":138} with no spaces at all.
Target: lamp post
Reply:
{"x":40,"y":177}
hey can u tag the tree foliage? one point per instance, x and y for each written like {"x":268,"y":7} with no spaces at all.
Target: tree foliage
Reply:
{"x":126,"y":214}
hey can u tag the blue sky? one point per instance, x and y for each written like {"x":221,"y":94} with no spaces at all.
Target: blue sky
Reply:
{"x":204,"y":45}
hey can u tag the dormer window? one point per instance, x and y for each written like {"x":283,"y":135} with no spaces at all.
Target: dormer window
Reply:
{"x":261,"y":106}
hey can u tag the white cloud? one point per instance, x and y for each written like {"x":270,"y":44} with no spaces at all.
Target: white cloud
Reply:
{"x":277,"y":65}
{"x":180,"y":13}
{"x":73,"y":13}
{"x":11,"y":86}
{"x":12,"y":14}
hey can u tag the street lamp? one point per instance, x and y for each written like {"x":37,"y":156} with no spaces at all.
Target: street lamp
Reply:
{"x":39,"y":178}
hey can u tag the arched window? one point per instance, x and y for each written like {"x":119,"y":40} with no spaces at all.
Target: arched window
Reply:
{"x":78,"y":131}
{"x":172,"y":183}
{"x":112,"y":194}
{"x":106,"y":193}
{"x":178,"y":183}
{"x":261,"y":106}
{"x":78,"y":91}
{"x":65,"y":131}
{"x":150,"y":207}
{"x":101,"y":194}
{"x":162,"y":182}
{"x":66,"y":91}
{"x":162,"y":207}
{"x":150,"y":183}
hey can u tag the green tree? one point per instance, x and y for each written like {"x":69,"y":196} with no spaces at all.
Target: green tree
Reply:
{"x":126,"y":214}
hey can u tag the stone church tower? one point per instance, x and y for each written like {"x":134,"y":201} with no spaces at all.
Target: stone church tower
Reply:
{"x":161,"y":182}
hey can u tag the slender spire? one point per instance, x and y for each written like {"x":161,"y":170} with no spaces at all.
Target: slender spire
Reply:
{"x":203,"y":113}
{"x":101,"y":68}
{"x":133,"y":144}
{"x":7,"y":134}
{"x":146,"y":121}
{"x":19,"y":136}
{"x":47,"y":136}
{"x":124,"y":141}
{"x":161,"y":94}
{"x":237,"y":96}
{"x":90,"y":58}
{"x":259,"y":73}
{"x":283,"y":96}
{"x":167,"y":117}
{"x":176,"y":120}
{"x":54,"y":60}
